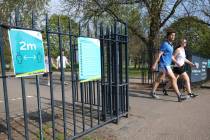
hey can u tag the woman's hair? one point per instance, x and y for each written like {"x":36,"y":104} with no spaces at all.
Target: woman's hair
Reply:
{"x":179,"y":43}
{"x":181,"y":40}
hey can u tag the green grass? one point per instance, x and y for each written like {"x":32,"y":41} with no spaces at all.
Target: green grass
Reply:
{"x":135,"y":73}
{"x":59,"y":136}
{"x":88,"y":138}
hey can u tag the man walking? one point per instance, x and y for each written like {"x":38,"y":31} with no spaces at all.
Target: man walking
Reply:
{"x":165,"y":58}
{"x":65,"y":62}
{"x":179,"y":57}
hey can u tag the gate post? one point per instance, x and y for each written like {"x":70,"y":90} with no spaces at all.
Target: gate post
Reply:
{"x":126,"y":67}
{"x":17,"y":23}
{"x":6,"y":104}
{"x":116,"y":71}
{"x":103,"y":93}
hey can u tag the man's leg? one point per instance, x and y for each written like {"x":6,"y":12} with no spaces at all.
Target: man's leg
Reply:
{"x":156,"y":83}
{"x":169,"y":84}
{"x":173,"y":81}
{"x":48,"y":79}
{"x":174,"y":85}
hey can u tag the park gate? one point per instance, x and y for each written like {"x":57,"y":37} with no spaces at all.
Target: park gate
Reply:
{"x":32,"y":110}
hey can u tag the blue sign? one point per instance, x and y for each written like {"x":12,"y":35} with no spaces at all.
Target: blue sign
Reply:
{"x":27,"y":52}
{"x":199,"y":73}
{"x":208,"y":63}
{"x":89,"y":57}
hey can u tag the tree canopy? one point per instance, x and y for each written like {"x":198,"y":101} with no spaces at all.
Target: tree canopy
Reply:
{"x":195,"y":32}
{"x":25,"y":7}
{"x":155,"y":13}
{"x":64,"y":26}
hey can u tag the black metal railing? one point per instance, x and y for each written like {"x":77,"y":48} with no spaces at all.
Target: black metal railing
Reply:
{"x":60,"y":110}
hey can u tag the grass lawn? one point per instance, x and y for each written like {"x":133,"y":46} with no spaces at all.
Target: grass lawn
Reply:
{"x":134,"y":73}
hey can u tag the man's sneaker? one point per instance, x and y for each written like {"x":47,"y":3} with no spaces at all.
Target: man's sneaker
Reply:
{"x":165,"y":92}
{"x":154,"y":95}
{"x":187,"y":96}
{"x":181,"y":98}
{"x":192,"y":95}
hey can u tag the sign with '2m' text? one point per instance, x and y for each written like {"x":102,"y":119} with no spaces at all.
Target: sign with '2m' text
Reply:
{"x":27,"y":52}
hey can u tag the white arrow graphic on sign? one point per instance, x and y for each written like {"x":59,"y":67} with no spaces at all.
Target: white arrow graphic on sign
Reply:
{"x":30,"y":57}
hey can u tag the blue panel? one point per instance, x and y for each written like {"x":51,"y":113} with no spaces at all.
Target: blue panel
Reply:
{"x":27,"y":52}
{"x":199,"y":73}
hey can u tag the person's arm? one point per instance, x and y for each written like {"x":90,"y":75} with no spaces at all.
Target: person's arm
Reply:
{"x":157,"y":60}
{"x":53,"y":64}
{"x":67,"y":62}
{"x":189,"y":62}
{"x":174,"y":57}
{"x":46,"y":63}
{"x":57,"y":62}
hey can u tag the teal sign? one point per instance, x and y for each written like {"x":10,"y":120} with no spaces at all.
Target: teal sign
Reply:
{"x":27,"y":52}
{"x":89,"y":57}
{"x":208,"y":66}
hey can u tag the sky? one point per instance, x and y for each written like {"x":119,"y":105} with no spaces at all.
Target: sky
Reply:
{"x":55,"y":7}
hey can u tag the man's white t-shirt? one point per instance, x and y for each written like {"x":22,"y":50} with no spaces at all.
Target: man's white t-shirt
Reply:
{"x":64,"y":61}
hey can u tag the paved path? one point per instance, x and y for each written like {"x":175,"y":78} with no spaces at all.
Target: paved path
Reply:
{"x":149,"y":119}
{"x":163,"y":119}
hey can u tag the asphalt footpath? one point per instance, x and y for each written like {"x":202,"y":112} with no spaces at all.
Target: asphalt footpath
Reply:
{"x":160,"y":119}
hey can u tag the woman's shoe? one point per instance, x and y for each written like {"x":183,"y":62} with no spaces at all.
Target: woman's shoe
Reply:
{"x":165,"y":92}
{"x":192,"y":95}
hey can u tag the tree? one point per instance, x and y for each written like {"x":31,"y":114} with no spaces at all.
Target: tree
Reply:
{"x":64,"y":25}
{"x":197,"y":34}
{"x":202,"y":12}
{"x":155,"y":12}
{"x":24,"y":7}
{"x":199,"y":8}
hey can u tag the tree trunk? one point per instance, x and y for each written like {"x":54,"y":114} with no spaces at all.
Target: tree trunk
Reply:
{"x":154,"y":29}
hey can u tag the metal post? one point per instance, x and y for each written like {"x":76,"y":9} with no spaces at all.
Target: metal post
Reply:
{"x":39,"y":107}
{"x":73,"y":77}
{"x":88,"y":30}
{"x":38,"y":94}
{"x":6,"y":104}
{"x":62,"y":79}
{"x":120,"y":71}
{"x":82,"y":100}
{"x":17,"y":17}
{"x":109,"y":70}
{"x":90,"y":99}
{"x":50,"y":74}
{"x":126,"y":68}
{"x":102,"y":74}
{"x":23,"y":89}
{"x":116,"y":59}
{"x":24,"y":108}
{"x":98,"y":101}
{"x":96,"y":28}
